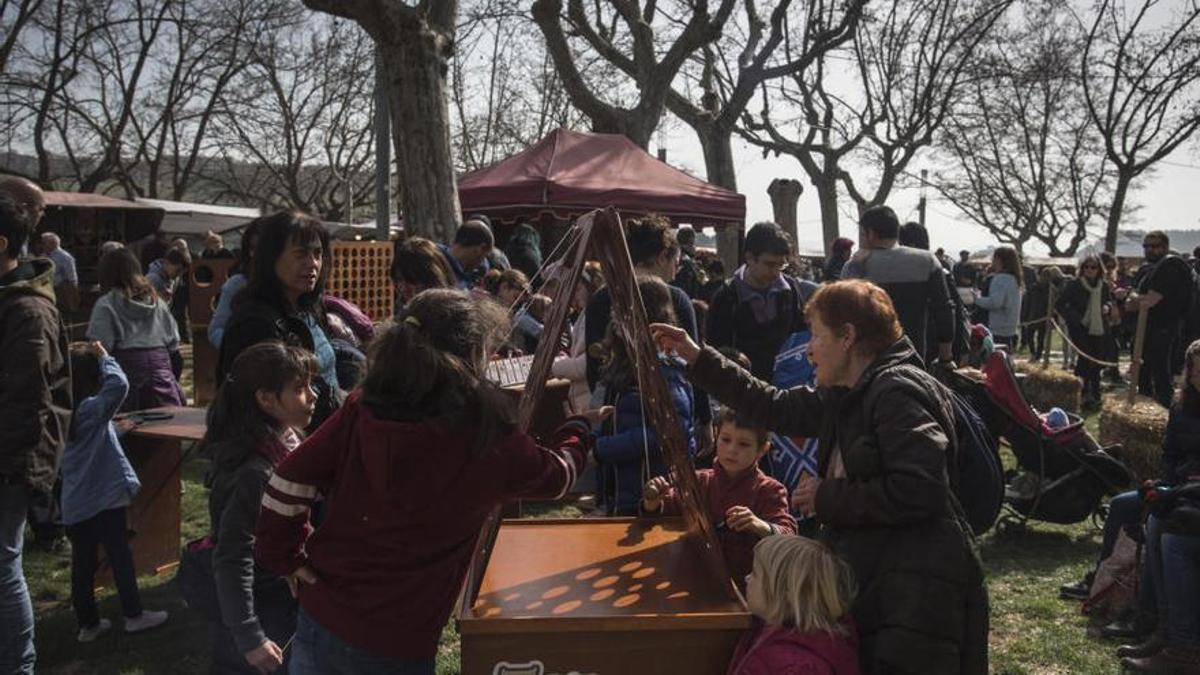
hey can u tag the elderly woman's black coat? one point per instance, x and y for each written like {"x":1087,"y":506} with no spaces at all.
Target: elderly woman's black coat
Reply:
{"x":921,"y":605}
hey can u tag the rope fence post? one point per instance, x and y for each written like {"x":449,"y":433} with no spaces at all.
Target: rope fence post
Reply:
{"x":1047,"y":328}
{"x":1139,"y":340}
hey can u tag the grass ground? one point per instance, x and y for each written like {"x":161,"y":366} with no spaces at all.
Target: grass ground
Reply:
{"x":1032,"y":630}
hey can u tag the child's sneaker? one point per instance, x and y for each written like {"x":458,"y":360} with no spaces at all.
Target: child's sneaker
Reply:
{"x":145,"y":621}
{"x":90,"y":634}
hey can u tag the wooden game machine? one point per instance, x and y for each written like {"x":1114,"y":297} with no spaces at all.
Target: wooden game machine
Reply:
{"x":614,"y":595}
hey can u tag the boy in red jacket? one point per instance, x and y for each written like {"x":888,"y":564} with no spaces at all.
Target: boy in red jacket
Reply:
{"x":744,"y":503}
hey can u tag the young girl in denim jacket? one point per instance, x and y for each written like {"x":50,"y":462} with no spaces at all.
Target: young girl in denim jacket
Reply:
{"x":98,"y":486}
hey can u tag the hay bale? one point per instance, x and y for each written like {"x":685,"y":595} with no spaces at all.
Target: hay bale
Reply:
{"x":1138,"y":429}
{"x":1046,"y":388}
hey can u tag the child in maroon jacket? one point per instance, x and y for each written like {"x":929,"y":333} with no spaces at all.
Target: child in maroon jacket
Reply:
{"x":409,"y":467}
{"x":744,"y":503}
{"x":800,"y":595}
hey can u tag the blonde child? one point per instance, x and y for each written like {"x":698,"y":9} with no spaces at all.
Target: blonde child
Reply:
{"x":800,"y":595}
{"x":744,"y":503}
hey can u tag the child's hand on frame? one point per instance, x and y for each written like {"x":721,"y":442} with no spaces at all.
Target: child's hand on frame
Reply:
{"x":265,"y":658}
{"x":302,"y":575}
{"x":742,"y":519}
{"x":597,"y":415}
{"x":653,"y":492}
{"x":804,"y":499}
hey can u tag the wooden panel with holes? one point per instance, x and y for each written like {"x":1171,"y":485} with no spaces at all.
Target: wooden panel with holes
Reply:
{"x":359,"y":273}
{"x":206,"y":279}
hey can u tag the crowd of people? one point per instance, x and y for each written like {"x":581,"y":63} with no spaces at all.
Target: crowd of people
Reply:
{"x":352,"y":466}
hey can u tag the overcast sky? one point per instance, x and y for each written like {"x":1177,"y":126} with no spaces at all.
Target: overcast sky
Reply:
{"x":1170,"y":199}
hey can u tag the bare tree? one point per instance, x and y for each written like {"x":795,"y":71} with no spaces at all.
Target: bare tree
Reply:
{"x":1142,"y":87}
{"x":298,"y":133}
{"x":505,"y":92}
{"x":416,"y":42}
{"x":15,"y":15}
{"x":1026,"y":162}
{"x":731,"y":71}
{"x":906,"y":64}
{"x":647,"y":42}
{"x":210,"y":43}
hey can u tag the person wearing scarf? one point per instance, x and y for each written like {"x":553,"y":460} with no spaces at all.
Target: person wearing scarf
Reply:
{"x":1084,"y":308}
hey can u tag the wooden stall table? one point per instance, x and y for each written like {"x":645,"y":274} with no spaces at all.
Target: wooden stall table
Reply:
{"x":155,"y":449}
{"x":614,"y":595}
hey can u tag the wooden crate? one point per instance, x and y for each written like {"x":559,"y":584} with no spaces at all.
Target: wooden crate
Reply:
{"x":359,"y":273}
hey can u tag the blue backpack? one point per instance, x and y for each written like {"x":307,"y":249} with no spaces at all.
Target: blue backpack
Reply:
{"x":980,"y":484}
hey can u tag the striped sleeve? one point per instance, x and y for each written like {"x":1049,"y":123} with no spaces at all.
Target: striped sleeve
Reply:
{"x":536,"y":472}
{"x":310,"y":470}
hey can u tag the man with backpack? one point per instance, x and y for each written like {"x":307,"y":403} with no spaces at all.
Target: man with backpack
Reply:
{"x":913,"y":279}
{"x":759,"y":307}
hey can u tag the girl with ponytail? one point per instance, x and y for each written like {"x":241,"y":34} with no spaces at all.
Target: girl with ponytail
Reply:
{"x":409,"y":468}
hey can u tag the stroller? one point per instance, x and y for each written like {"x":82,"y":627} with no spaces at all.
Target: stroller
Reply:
{"x":1062,"y":473}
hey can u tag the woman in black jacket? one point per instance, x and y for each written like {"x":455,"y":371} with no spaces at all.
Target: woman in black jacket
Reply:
{"x":283,"y":302}
{"x":252,"y":425}
{"x":884,"y":501}
{"x":1085,"y":306}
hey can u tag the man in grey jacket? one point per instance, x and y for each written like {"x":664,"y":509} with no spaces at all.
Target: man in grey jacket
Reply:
{"x":912,"y":278}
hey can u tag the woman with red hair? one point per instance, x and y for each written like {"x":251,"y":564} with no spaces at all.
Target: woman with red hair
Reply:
{"x":884,"y":501}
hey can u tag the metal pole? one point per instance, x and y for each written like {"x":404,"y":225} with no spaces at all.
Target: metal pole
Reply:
{"x":383,"y":153}
{"x":1049,"y":328}
{"x":1139,"y":340}
{"x":921,"y":203}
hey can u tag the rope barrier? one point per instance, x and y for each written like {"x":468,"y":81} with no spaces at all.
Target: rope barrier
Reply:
{"x":1080,"y":352}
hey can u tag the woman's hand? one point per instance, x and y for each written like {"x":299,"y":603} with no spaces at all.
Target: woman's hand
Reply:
{"x":302,"y":575}
{"x":804,"y":499}
{"x":265,"y":658}
{"x":742,"y":519}
{"x":676,"y":340}
{"x":597,"y":415}
{"x":98,"y":348}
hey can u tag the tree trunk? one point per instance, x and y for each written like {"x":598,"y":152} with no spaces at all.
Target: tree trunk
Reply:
{"x":717,"y":146}
{"x":827,"y":198}
{"x":1124,"y":178}
{"x":416,"y":88}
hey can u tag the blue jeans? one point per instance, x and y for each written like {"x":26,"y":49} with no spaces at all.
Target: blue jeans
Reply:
{"x":316,"y":651}
{"x":1124,"y":509}
{"x":16,"y":611}
{"x":1173,"y":563}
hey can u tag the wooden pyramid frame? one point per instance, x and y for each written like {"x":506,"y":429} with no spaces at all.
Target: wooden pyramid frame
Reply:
{"x":600,"y":234}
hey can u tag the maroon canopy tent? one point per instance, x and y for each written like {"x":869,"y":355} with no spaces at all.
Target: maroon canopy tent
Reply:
{"x":569,"y":173}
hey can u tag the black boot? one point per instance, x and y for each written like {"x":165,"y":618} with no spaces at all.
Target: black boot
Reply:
{"x":1078,"y":590}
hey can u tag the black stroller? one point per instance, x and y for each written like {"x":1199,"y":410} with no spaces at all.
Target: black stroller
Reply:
{"x":1063,"y":474}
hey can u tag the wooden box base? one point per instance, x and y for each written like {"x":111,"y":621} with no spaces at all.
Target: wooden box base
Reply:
{"x":615,"y":595}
